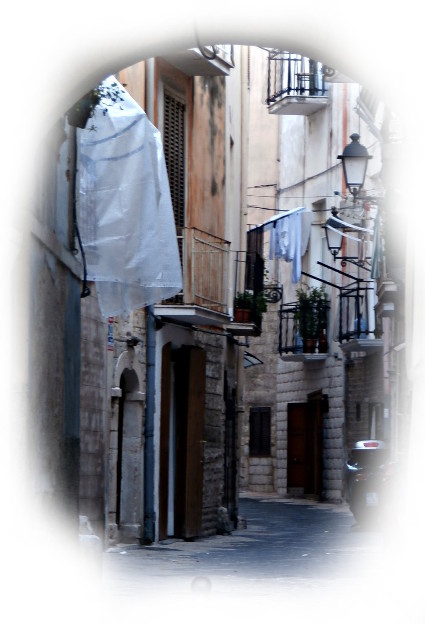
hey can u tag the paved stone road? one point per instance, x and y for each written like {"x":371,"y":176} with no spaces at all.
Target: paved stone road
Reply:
{"x":299,"y":558}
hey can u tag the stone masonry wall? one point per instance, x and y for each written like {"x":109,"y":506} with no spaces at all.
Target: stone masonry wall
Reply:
{"x":294,"y":382}
{"x":213,"y":430}
{"x":258,"y":473}
{"x":364,"y":387}
{"x":93,"y":409}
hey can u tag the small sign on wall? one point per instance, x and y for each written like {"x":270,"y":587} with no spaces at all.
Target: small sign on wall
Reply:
{"x":111,"y":333}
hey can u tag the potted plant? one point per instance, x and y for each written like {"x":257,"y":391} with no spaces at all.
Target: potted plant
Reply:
{"x":246,"y":304}
{"x":260,"y":304}
{"x":311,"y":316}
{"x":243,"y":306}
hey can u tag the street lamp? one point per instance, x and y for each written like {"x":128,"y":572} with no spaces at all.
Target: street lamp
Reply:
{"x":333,"y":231}
{"x":354,"y":161}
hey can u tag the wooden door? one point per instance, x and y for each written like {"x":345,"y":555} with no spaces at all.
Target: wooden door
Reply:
{"x":305,"y":446}
{"x":190,"y":409}
{"x":297,"y":446}
{"x":164,"y":442}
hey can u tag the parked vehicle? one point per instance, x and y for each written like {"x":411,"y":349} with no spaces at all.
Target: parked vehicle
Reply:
{"x":368,"y":480}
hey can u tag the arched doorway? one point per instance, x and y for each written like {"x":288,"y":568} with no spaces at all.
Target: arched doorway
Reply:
{"x":126,"y":458}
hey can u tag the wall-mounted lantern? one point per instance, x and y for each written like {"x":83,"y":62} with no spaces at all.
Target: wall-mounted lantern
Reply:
{"x":333,"y":230}
{"x":354,"y":161}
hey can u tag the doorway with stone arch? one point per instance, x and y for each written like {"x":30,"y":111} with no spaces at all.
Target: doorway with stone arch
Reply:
{"x":126,"y":448}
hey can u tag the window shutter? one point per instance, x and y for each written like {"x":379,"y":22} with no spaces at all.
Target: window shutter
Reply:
{"x":174,"y":152}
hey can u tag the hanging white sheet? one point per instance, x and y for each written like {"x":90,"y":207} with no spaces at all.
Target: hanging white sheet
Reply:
{"x":124,"y":208}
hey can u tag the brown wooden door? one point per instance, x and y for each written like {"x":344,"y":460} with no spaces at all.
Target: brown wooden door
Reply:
{"x":164,"y":442}
{"x":297,"y":446}
{"x":190,"y":409}
{"x":305,"y":446}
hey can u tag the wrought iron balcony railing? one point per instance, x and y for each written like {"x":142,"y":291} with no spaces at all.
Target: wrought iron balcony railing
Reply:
{"x":354,"y":316}
{"x":355,"y":321}
{"x":303,"y":330}
{"x":293,"y":75}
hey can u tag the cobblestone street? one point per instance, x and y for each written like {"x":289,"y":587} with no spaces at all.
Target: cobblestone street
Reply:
{"x":296,"y":555}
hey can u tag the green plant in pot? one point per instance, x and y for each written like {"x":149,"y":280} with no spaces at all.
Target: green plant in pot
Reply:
{"x":243,"y":304}
{"x":311,"y":315}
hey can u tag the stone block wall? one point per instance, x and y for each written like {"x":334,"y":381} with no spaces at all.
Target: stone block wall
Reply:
{"x":258,"y":474}
{"x":93,"y":412}
{"x":213,"y":429}
{"x":294,"y":382}
{"x":364,"y":387}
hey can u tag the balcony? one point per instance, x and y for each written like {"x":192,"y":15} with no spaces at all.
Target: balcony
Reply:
{"x":251,"y":302}
{"x":314,"y":344}
{"x":296,"y":84}
{"x":357,"y":332}
{"x":205,"y":261}
{"x":206,"y":61}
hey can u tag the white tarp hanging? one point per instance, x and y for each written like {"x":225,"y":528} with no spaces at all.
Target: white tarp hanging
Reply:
{"x":125,"y":213}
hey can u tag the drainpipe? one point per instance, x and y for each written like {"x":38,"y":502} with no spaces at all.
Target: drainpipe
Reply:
{"x":149,"y":512}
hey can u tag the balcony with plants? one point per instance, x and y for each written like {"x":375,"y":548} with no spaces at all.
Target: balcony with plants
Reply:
{"x":303,"y":325}
{"x":295,"y":84}
{"x":251,"y":301}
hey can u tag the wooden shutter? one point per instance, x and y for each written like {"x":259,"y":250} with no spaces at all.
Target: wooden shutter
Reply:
{"x":174,"y":152}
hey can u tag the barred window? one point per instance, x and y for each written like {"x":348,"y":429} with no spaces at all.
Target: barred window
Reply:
{"x":259,"y":431}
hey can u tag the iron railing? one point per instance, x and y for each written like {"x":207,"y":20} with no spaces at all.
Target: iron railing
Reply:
{"x":252,"y":298}
{"x":205,"y":263}
{"x":355,"y":320}
{"x":292,"y":320}
{"x":293,"y":74}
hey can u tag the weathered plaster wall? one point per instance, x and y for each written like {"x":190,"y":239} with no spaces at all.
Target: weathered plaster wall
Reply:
{"x":207,"y":168}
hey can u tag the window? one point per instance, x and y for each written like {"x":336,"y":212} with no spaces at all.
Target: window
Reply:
{"x":259,"y":431}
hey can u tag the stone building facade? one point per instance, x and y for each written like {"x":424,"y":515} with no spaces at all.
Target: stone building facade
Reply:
{"x":295,"y":383}
{"x":159,"y":385}
{"x":315,"y":406}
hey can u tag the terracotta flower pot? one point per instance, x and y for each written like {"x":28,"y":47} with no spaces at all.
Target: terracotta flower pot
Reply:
{"x":309,"y":345}
{"x":242,"y":315}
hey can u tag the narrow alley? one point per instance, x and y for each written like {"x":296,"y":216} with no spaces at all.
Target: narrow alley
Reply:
{"x":283,"y":550}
